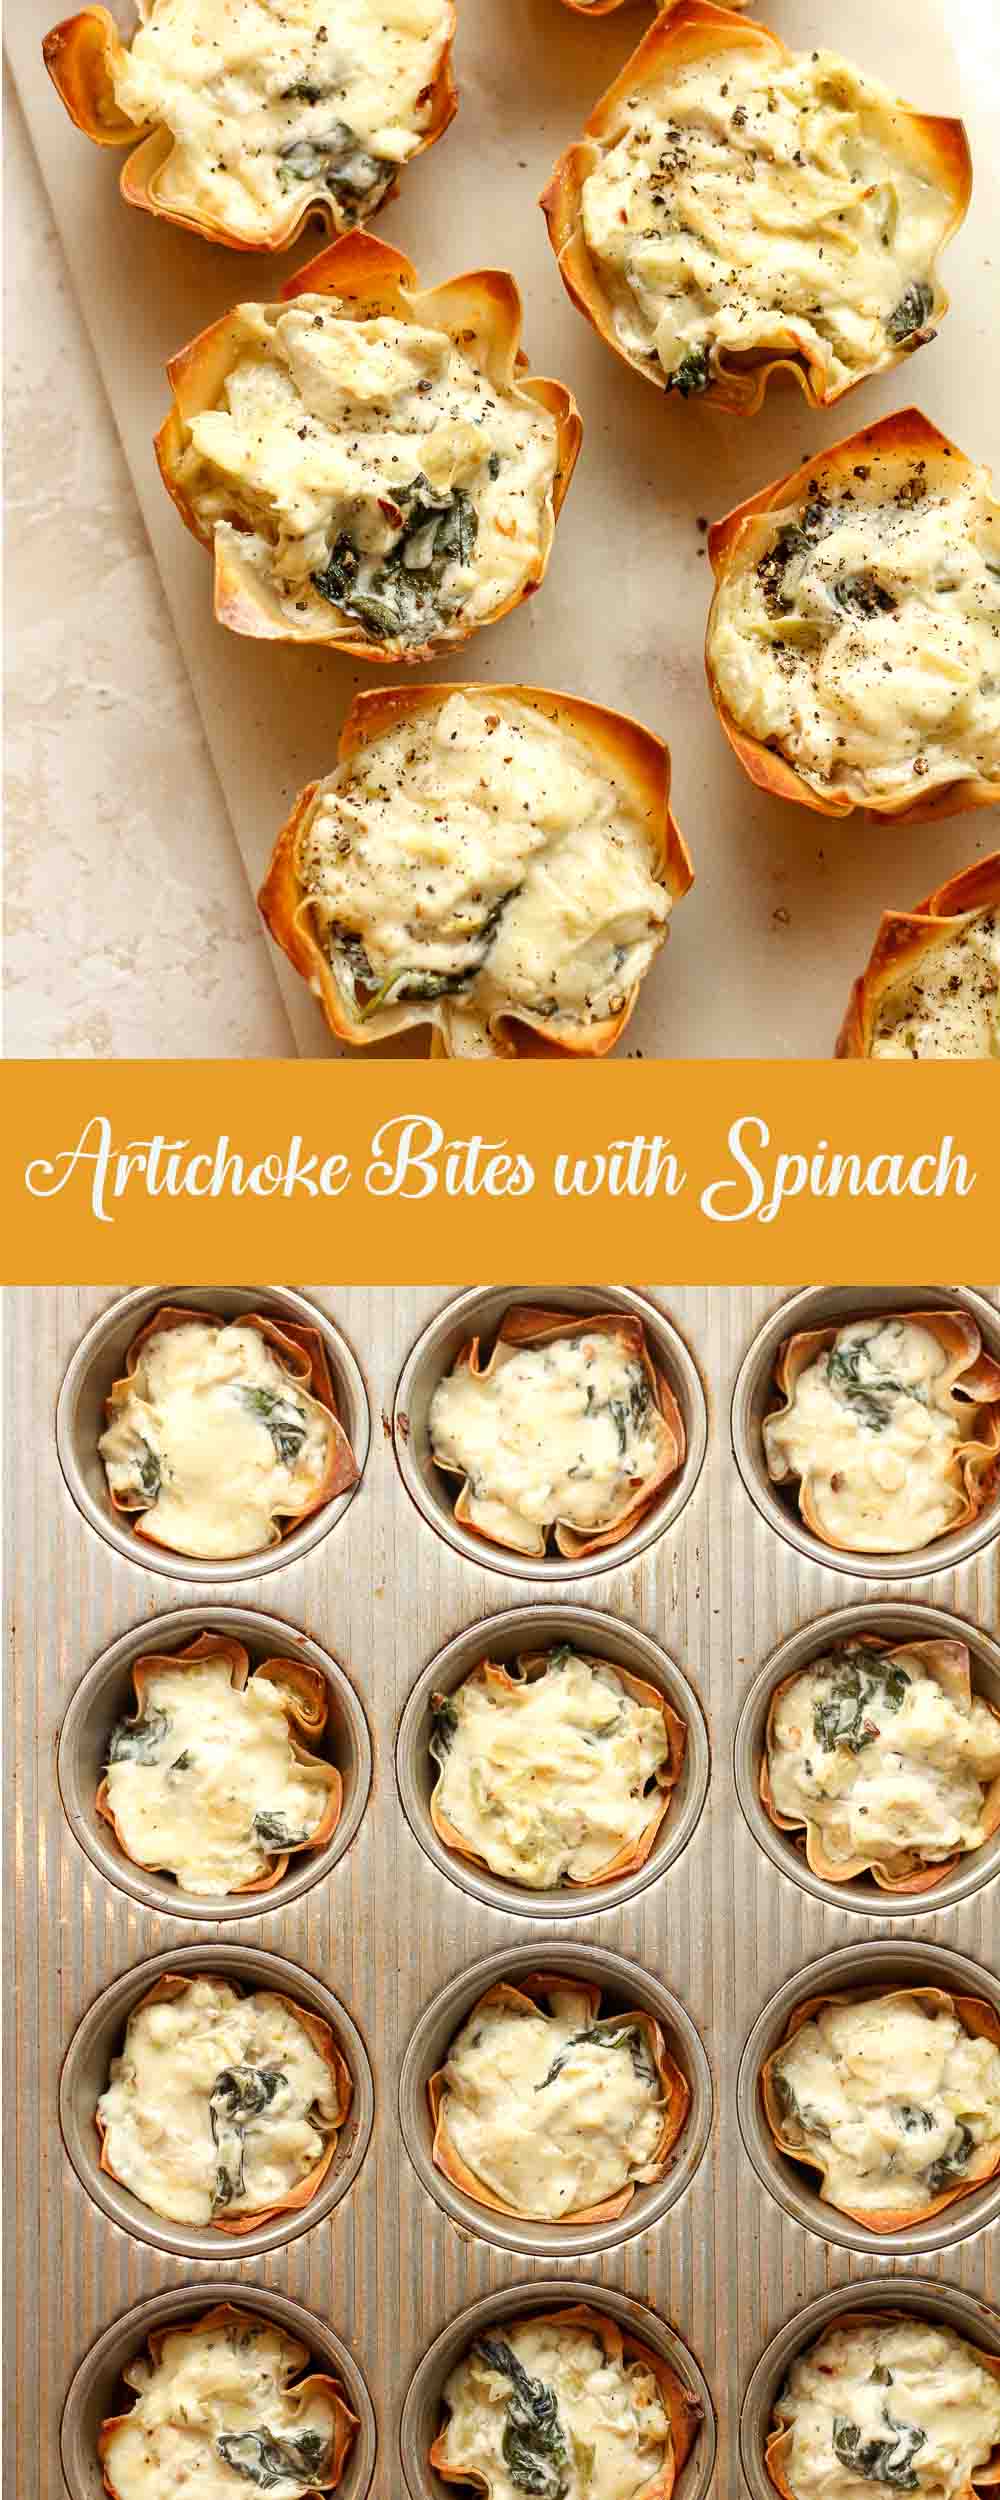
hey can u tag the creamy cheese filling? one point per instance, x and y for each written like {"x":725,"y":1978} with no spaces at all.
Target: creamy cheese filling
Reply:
{"x":948,"y":1007}
{"x":585,"y":2427}
{"x":478,"y":854}
{"x":271,"y":107}
{"x":892,"y":2099}
{"x":872,"y":1433}
{"x":748,"y":207}
{"x":859,"y":634}
{"x":214,"y":1440}
{"x":215,"y":2416}
{"x":549,"y":1781}
{"x":553,"y":2110}
{"x":885,"y":1764}
{"x":205,"y":1783}
{"x":910,"y":2406}
{"x":563,"y":1432}
{"x":218,"y":2104}
{"x":371,"y":467}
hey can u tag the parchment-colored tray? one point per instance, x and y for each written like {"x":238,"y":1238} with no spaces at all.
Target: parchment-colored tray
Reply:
{"x":785,"y":905}
{"x":721,"y":1928}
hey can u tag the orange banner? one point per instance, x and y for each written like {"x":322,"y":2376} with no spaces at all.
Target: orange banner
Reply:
{"x":715,"y":1172}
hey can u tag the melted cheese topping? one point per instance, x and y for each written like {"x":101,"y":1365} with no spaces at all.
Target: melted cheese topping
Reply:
{"x":206,"y":1784}
{"x":610,"y":2436}
{"x":883,"y":1762}
{"x":479,"y":854}
{"x":948,"y":1007}
{"x":216,"y":2417}
{"x":563,"y":1432}
{"x":908,"y":2405}
{"x":552,"y":1779}
{"x":551,"y":2110}
{"x":272,"y":107}
{"x":860,"y":634}
{"x":218,"y":2105}
{"x":893,"y":2101}
{"x":748,"y":207}
{"x":372,"y":469}
{"x":872,"y":1431}
{"x":214,"y":1440}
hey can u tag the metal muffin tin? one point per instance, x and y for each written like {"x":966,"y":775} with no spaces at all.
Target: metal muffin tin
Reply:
{"x":876,"y":1968}
{"x":107,"y":1694}
{"x":526,"y":1631}
{"x":100,"y":1360}
{"x":626,"y":1989}
{"x":479,"y":1313}
{"x":822,"y":1306}
{"x":894,"y":1623}
{"x":717,"y":1918}
{"x":86,"y":2073}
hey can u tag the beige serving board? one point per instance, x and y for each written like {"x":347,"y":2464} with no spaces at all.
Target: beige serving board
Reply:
{"x":722,"y":1928}
{"x":785,"y":905}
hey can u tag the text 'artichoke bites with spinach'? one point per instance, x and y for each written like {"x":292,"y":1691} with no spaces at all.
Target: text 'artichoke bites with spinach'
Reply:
{"x":223,"y":1435}
{"x":885,"y":1760}
{"x":565,"y":2403}
{"x":371,"y":464}
{"x":568,"y":1431}
{"x":226,"y":2399}
{"x":931,"y":987}
{"x":216,"y":1778}
{"x":887,"y":2399}
{"x":499,"y":863}
{"x":852,"y":641}
{"x":250,"y":119}
{"x":735,"y":209}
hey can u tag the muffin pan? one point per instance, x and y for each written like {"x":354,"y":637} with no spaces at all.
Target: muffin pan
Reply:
{"x":711,"y":2263}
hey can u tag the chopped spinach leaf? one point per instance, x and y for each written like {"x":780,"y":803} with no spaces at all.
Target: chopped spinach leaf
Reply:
{"x":139,"y":1740}
{"x":183,"y":1761}
{"x":411,"y":982}
{"x":607,"y":2035}
{"x":843,"y":1718}
{"x":534,"y":2442}
{"x":150,"y":1472}
{"x":862,"y":594}
{"x":336,"y":158}
{"x":238,"y":2094}
{"x":794,"y":538}
{"x":693,"y":374}
{"x":285,"y":1421}
{"x":948,"y":2169}
{"x":267,"y":2461}
{"x":889,"y":2460}
{"x":871,"y":1394}
{"x":404,"y":598}
{"x":912,"y":2119}
{"x":444,"y":1725}
{"x":911,"y":314}
{"x":270,"y":1827}
{"x":304,"y":91}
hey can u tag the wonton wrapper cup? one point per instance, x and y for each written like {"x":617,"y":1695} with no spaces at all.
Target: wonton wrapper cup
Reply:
{"x":524,"y":1326}
{"x":681,"y":2407}
{"x":630,"y":1856}
{"x":736,"y":544}
{"x":903,"y":940}
{"x":302,"y":1354}
{"x":305,"y":1710}
{"x":370,"y":280}
{"x":948,"y":1662}
{"x":534,"y":1993}
{"x":978,"y":2019}
{"x":345,"y":2423}
{"x":236,"y":2226}
{"x":81,"y":55}
{"x":778,"y":2448}
{"x":692,"y":33}
{"x":970,"y":1371}
{"x":637,"y":761}
{"x":914,"y":2298}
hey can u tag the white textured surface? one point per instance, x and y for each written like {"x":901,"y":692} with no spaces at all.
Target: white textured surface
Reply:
{"x":130,"y":928}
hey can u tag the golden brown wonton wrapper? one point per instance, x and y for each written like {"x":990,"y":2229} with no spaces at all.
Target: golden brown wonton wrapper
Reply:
{"x":627,"y":1859}
{"x":480,"y":311}
{"x":779,"y":2442}
{"x":639,"y":763}
{"x":904,"y":938}
{"x":345,"y":2423}
{"x":971,"y":1373}
{"x":692,"y":31}
{"x":948,"y":1662}
{"x":679,"y":2404}
{"x":81,"y":56}
{"x":304,"y":1696}
{"x":976,"y":2017}
{"x":302,"y":1353}
{"x":174,"y":1984}
{"x":524,"y":1325}
{"x":532,"y":1994}
{"x":891,"y":449}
